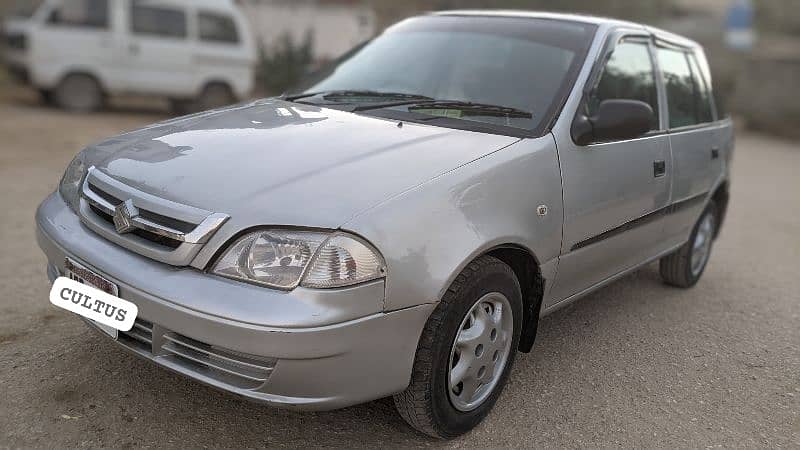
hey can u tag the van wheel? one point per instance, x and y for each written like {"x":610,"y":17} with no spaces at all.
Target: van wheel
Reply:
{"x":79,"y":92}
{"x":46,"y":95}
{"x":466,"y":352}
{"x":181,"y":107}
{"x":215,"y":95}
{"x":685,"y":266}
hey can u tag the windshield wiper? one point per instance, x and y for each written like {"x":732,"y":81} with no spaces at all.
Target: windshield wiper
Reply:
{"x":351,"y":94}
{"x":477,"y":108}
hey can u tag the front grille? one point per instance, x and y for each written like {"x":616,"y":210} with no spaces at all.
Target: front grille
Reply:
{"x":144,"y":234}
{"x":225,"y":366}
{"x":151,"y":226}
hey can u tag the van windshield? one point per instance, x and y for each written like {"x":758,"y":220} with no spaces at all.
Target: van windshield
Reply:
{"x":500,"y":71}
{"x":25,"y":9}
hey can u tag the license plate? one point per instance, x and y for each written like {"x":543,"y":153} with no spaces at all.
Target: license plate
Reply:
{"x":88,"y":294}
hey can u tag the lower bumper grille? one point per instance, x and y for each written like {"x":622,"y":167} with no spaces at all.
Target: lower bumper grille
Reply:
{"x":140,"y":336}
{"x":225,"y":366}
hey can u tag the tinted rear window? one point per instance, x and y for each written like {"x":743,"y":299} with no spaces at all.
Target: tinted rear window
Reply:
{"x":150,"y":19}
{"x":683,"y":95}
{"x":217,"y":28}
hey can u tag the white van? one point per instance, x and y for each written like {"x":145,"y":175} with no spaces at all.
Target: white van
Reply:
{"x":198,"y":53}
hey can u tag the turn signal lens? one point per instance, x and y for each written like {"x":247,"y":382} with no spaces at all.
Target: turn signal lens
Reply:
{"x":343,"y":261}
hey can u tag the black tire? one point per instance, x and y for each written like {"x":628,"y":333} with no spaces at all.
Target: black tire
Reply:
{"x":676,"y":268}
{"x":181,"y":107}
{"x":46,"y":95}
{"x":79,"y":93}
{"x":215,"y":95}
{"x":426,"y":403}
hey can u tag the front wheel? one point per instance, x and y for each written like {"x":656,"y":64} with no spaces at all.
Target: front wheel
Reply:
{"x":79,"y":93}
{"x":685,"y":266}
{"x":466,"y":352}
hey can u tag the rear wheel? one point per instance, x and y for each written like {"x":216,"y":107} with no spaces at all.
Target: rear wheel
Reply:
{"x":79,"y":92}
{"x":685,"y":266}
{"x":180,"y":107}
{"x":215,"y":95}
{"x":46,"y":95}
{"x":466,"y":352}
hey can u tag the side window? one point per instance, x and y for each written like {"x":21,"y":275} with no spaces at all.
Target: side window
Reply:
{"x":217,"y":28}
{"x":157,"y":20}
{"x":703,"y":99}
{"x":81,"y":13}
{"x":688,"y":104}
{"x":628,"y":75}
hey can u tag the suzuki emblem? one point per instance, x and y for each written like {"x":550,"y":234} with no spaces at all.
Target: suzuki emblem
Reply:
{"x":124,"y":214}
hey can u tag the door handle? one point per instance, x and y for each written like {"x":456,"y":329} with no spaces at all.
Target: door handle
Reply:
{"x":659,"y":168}
{"x":714,"y":152}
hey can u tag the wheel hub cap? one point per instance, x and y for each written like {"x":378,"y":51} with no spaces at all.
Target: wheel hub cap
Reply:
{"x":480,"y":351}
{"x":701,"y":247}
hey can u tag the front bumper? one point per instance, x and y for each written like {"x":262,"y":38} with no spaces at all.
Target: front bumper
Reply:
{"x":320,"y":349}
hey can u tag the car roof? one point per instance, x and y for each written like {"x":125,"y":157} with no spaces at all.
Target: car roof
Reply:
{"x":582,"y":18}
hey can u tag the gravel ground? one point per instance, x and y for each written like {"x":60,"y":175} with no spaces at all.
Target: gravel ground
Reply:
{"x":637,"y":364}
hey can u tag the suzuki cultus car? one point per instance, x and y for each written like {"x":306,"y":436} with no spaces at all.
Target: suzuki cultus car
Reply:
{"x":398,"y":227}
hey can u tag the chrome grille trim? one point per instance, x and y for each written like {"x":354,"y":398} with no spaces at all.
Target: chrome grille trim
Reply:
{"x":186,"y":228}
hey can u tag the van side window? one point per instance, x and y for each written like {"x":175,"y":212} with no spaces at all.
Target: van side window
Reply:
{"x":628,"y":75}
{"x":217,"y":28}
{"x":157,"y":20}
{"x":81,"y":13}
{"x":704,"y":92}
{"x":686,"y":103}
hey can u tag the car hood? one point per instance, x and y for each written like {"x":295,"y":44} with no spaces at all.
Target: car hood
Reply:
{"x":273,"y":162}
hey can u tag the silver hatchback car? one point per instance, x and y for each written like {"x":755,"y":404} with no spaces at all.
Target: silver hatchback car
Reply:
{"x":398,"y":226}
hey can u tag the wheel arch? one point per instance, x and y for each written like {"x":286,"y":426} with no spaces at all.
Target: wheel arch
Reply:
{"x":721,"y":197}
{"x":217,"y":81}
{"x":528,"y":271}
{"x":82,"y":71}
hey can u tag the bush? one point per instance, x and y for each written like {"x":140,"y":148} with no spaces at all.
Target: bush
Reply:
{"x":285,"y":64}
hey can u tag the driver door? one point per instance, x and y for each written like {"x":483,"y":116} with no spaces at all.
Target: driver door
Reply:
{"x":615,"y":193}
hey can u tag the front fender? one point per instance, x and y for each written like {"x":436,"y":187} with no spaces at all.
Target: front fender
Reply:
{"x":430,"y":233}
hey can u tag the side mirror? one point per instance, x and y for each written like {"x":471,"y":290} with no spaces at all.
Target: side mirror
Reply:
{"x":615,"y":120}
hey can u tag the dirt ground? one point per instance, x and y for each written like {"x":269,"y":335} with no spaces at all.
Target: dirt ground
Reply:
{"x":637,"y":364}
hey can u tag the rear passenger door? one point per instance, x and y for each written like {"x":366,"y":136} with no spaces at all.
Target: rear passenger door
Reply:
{"x":697,"y":158}
{"x":159,"y":49}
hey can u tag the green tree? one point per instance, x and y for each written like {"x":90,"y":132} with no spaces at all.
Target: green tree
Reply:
{"x":285,"y":63}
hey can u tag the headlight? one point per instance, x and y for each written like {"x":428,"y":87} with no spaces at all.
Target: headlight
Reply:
{"x":286,"y":259}
{"x":70,"y":186}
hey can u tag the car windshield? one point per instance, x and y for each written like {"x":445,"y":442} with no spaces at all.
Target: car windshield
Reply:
{"x":497,"y":71}
{"x":25,"y":9}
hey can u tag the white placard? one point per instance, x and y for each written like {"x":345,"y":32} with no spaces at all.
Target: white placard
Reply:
{"x":93,"y":304}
